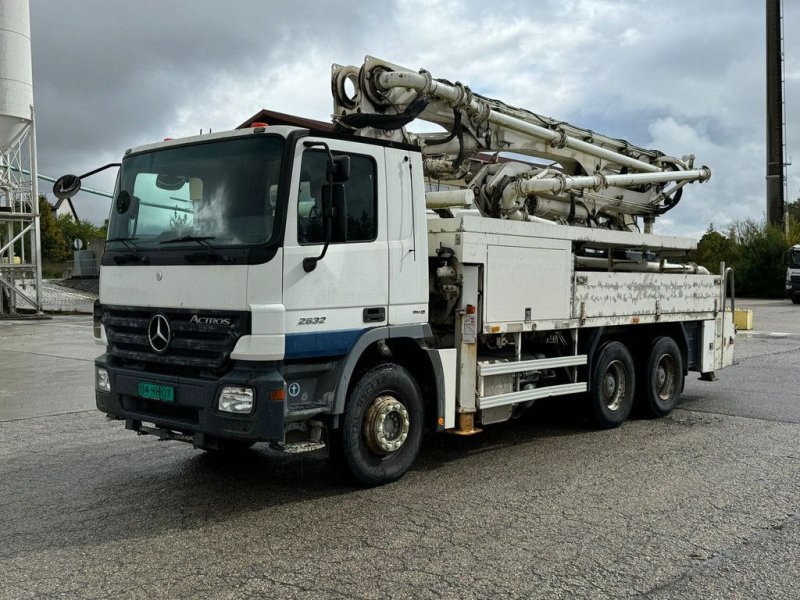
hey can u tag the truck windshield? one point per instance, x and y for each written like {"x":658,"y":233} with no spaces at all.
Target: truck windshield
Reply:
{"x":794,"y":258}
{"x":222,"y":191}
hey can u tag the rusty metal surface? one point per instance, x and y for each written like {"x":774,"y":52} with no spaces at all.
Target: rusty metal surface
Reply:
{"x":645,"y":294}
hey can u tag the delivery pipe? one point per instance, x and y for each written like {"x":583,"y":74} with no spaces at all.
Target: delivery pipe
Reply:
{"x":455,"y":96}
{"x":562,"y":183}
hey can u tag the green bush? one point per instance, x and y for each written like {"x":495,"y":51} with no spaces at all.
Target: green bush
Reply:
{"x":52,"y":270}
{"x":59,"y":233}
{"x":754,"y":250}
{"x":715,"y":247}
{"x":759,"y":267}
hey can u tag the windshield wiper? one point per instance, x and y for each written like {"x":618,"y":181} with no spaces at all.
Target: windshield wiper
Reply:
{"x":200,"y":239}
{"x":203,"y":241}
{"x":124,"y":241}
{"x":133,"y":254}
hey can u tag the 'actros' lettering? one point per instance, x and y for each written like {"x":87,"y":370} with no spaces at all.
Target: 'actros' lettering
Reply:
{"x":209,"y":320}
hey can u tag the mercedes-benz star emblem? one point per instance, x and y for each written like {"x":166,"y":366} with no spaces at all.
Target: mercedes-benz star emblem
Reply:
{"x":158,"y":333}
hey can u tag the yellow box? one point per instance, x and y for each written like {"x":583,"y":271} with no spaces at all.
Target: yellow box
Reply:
{"x":743,"y":318}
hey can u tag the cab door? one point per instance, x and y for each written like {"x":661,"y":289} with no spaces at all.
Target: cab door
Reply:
{"x":328,"y":308}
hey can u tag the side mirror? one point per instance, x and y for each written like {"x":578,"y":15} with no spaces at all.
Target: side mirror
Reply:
{"x":334,"y":219}
{"x":339,"y":220}
{"x":66,"y":186}
{"x":127,"y":205}
{"x":123,"y":202}
{"x":340,"y":170}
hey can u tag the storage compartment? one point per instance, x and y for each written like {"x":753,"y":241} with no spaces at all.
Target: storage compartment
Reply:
{"x":528,"y":284}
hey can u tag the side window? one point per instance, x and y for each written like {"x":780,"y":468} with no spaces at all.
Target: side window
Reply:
{"x":359,"y":221}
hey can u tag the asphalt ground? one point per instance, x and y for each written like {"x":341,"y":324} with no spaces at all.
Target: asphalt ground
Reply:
{"x":702,"y":504}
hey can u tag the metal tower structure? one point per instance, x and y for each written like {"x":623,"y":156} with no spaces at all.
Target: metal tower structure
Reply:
{"x":20,"y":241}
{"x":776,"y":150}
{"x":20,"y":256}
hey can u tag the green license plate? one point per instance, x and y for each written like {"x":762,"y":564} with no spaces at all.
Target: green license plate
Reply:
{"x":154,"y":391}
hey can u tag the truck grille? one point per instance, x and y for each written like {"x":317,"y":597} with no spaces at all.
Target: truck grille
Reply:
{"x":199,"y":345}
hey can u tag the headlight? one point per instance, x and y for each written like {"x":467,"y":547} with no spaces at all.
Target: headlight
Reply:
{"x":236,"y":399}
{"x":102,"y":382}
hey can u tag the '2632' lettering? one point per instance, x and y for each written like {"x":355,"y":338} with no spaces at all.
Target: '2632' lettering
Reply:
{"x":311,"y":321}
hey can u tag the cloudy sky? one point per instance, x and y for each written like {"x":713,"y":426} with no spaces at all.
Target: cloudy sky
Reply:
{"x":682,"y":77}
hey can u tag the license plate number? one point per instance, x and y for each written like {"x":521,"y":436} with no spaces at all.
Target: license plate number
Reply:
{"x":154,"y":391}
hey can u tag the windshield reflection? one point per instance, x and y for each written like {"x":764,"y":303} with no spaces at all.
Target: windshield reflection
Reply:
{"x":223,"y":191}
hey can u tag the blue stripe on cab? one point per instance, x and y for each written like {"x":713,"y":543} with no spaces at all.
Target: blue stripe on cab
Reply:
{"x":321,"y":343}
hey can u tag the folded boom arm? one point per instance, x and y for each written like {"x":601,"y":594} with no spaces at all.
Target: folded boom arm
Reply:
{"x":594,"y":180}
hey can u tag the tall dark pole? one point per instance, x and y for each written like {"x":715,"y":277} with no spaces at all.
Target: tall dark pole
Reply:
{"x":775,"y":154}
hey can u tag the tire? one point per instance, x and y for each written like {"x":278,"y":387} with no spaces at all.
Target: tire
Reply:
{"x":661,"y":378}
{"x":613,"y":384}
{"x":795,"y":299}
{"x":381,"y":429}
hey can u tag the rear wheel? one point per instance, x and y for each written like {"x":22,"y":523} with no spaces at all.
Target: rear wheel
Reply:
{"x":613,"y":383}
{"x":381,"y":430}
{"x":661,"y":378}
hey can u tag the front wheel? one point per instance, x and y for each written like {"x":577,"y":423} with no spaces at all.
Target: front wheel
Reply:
{"x":795,"y":299}
{"x":381,"y":430}
{"x":613,"y":383}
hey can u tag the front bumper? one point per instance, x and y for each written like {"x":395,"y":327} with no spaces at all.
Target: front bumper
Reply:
{"x":194,"y":408}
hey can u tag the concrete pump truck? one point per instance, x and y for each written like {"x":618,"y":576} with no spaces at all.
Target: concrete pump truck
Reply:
{"x":301,"y":287}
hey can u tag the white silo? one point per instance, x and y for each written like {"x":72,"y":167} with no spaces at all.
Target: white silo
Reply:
{"x":20,"y":247}
{"x":16,"y":81}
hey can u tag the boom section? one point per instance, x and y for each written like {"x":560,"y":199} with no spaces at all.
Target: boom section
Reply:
{"x":592,"y":179}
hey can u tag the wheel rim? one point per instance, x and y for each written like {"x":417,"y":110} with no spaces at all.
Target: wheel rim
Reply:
{"x":386,"y":425}
{"x":665,"y":378}
{"x":614,"y":385}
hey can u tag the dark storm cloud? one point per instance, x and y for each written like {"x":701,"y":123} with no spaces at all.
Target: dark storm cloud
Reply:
{"x":111,"y":75}
{"x":682,"y":77}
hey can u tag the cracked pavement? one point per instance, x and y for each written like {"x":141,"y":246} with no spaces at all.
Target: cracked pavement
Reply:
{"x":704,"y":503}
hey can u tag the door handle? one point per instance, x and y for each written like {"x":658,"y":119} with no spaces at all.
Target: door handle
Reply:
{"x":376,"y":314}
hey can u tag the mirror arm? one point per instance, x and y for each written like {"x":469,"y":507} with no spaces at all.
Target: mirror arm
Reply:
{"x":310,"y":262}
{"x":103,"y":168}
{"x":67,"y":186}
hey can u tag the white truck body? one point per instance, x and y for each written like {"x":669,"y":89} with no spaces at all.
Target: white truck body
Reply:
{"x":409,"y":318}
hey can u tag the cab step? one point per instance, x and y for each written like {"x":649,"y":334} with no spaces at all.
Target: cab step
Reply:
{"x":297,"y":447}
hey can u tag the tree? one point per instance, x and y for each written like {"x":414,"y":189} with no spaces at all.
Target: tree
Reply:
{"x":713,"y":248}
{"x":77,"y":230}
{"x":759,"y":268}
{"x":754,"y":250}
{"x":54,"y":245}
{"x":793,"y":213}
